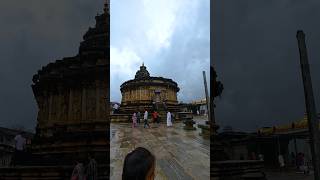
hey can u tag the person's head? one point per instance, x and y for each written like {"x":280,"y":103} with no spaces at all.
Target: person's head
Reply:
{"x":139,"y":165}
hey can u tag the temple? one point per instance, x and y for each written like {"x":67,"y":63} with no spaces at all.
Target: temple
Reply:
{"x":72,"y":97}
{"x":150,"y":93}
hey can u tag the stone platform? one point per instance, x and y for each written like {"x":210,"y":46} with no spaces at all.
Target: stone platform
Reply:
{"x":44,"y":172}
{"x":288,"y":175}
{"x":179,"y":154}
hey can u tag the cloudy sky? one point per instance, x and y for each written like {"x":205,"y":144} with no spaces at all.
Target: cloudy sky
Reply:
{"x":32,"y":34}
{"x":171,"y":37}
{"x":255,"y":51}
{"x":256,"y":56}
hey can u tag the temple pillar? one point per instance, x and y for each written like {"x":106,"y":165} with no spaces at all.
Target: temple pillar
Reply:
{"x":76,"y":106}
{"x":40,"y":109}
{"x":65,"y":105}
{"x":55,"y":108}
{"x":83,"y":103}
{"x":59,"y":104}
{"x":97,"y":99}
{"x":50,"y":107}
{"x":104,"y":100}
{"x":70,"y":118}
{"x":44,"y":109}
{"x":91,"y":101}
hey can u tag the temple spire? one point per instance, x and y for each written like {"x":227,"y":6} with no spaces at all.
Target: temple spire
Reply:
{"x":106,"y":8}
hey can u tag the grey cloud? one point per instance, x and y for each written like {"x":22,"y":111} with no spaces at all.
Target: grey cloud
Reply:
{"x":257,"y":58}
{"x":34,"y":33}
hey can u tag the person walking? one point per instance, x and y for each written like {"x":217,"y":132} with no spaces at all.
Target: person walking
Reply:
{"x":145,"y":119}
{"x":153,"y":116}
{"x":157,"y":118}
{"x":78,"y":172}
{"x":138,"y":117}
{"x":92,"y":168}
{"x":281,"y":162}
{"x":134,"y":120}
{"x":169,"y":123}
{"x":20,"y":144}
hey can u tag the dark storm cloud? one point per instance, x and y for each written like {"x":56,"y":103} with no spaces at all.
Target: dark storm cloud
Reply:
{"x":32,"y":34}
{"x":257,"y":59}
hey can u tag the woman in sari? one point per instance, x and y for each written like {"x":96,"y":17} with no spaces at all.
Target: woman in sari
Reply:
{"x":134,"y":120}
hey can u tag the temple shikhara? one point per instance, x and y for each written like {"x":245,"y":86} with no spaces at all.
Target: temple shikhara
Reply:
{"x":72,"y":96}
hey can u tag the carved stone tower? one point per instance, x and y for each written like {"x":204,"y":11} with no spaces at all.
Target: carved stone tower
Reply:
{"x":72,"y":95}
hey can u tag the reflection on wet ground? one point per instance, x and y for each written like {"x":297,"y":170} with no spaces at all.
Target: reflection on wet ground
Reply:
{"x":180,"y":154}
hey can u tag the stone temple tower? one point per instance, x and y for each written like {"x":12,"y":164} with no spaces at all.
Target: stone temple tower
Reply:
{"x":72,"y":96}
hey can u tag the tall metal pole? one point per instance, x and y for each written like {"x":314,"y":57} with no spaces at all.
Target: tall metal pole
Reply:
{"x":207,"y":95}
{"x":310,"y":105}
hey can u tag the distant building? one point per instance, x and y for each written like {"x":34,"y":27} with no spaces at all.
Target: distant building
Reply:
{"x":7,"y":144}
{"x":201,"y":106}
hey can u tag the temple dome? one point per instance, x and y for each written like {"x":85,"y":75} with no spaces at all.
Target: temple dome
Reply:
{"x":149,"y":92}
{"x":142,"y":73}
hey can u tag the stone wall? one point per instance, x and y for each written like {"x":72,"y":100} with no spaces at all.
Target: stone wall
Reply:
{"x":147,"y":93}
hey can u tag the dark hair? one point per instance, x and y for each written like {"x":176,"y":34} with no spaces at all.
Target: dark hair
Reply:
{"x":137,"y":164}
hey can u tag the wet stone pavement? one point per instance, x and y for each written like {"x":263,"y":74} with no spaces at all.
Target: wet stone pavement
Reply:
{"x":180,"y":154}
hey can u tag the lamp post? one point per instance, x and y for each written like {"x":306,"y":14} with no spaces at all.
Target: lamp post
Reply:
{"x":313,"y":122}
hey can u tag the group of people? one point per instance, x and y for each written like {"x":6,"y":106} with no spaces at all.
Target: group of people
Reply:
{"x":136,"y":117}
{"x":88,"y":172}
{"x":296,"y":160}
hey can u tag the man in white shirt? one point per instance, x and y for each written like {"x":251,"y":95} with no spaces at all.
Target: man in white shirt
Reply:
{"x":20,"y":143}
{"x":145,"y":119}
{"x":115,"y":108}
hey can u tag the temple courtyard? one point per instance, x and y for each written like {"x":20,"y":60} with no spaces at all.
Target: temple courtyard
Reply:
{"x":180,"y":154}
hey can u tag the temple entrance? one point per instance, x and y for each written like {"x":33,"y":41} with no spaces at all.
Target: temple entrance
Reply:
{"x":157,"y":96}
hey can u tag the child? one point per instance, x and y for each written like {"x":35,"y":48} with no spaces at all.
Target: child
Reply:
{"x":139,"y":165}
